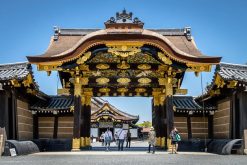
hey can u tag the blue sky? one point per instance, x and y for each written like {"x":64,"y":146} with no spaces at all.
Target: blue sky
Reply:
{"x":218,"y":26}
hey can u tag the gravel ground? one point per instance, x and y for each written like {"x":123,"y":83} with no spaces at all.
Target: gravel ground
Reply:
{"x":122,"y":158}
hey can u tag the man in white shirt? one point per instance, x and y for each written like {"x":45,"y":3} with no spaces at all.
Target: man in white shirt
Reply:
{"x":121,"y":136}
{"x":108,"y":139}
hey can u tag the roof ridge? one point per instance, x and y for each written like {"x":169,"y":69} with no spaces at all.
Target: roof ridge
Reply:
{"x":14,"y":64}
{"x":225,"y":63}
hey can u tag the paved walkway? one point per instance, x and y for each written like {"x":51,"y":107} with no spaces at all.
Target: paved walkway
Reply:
{"x":123,"y":158}
{"x":117,"y":153}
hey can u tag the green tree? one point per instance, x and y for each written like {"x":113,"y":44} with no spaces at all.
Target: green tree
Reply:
{"x":145,"y":124}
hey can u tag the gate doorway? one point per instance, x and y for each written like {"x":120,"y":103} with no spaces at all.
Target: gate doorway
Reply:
{"x":124,"y":59}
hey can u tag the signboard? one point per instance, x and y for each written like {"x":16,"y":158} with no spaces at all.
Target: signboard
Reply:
{"x":12,"y":152}
{"x":134,"y":133}
{"x":125,"y":126}
{"x":94,"y":132}
{"x":105,"y":124}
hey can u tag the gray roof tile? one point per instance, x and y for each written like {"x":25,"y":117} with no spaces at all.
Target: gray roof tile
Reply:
{"x":17,"y":71}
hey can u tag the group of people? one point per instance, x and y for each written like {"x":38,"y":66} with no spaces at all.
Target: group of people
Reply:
{"x":120,"y":137}
{"x":174,"y":135}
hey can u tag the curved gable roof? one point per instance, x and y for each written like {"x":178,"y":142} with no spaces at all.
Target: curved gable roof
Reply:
{"x":69,"y":43}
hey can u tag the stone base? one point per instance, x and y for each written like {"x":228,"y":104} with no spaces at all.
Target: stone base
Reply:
{"x":245,"y":151}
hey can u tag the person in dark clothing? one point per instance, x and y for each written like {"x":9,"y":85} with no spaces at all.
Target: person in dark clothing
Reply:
{"x":175,"y":137}
{"x":128,"y":139}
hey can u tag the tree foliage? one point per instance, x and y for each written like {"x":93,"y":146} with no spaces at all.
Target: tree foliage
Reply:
{"x":145,"y":124}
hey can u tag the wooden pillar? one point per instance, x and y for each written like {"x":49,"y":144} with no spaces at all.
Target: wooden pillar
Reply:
{"x":13,"y":116}
{"x":86,"y":118}
{"x":4,"y":110}
{"x":210,"y":127}
{"x":169,"y":117}
{"x":156,"y":115}
{"x":169,"y":111}
{"x":242,"y":113}
{"x":35,"y":126}
{"x":77,"y":114}
{"x":162,"y":123}
{"x":55,"y":127}
{"x":159,"y":116}
{"x":189,"y":127}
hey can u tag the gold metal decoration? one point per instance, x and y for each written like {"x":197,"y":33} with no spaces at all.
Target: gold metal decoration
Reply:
{"x":84,"y":80}
{"x":219,"y":82}
{"x":214,"y":92}
{"x":72,"y":108}
{"x":232,"y":84}
{"x":169,"y":146}
{"x":144,"y":66}
{"x":102,"y":66}
{"x":77,"y":87}
{"x":169,"y":89}
{"x":84,"y":67}
{"x":105,"y":90}
{"x":123,"y":81}
{"x":87,"y":141}
{"x":124,"y":49}
{"x":87,"y":96}
{"x":165,"y":59}
{"x":140,"y":90}
{"x":63,"y":91}
{"x":144,"y":80}
{"x":123,"y":65}
{"x":83,"y":58}
{"x":31,"y":91}
{"x":158,"y":141}
{"x":82,"y":142}
{"x":156,"y":99}
{"x":102,"y":80}
{"x":162,"y":68}
{"x":181,"y":91}
{"x":15,"y":83}
{"x":199,"y":67}
{"x":76,"y":144}
{"x":49,"y":67}
{"x":28,"y":81}
{"x":162,"y":81}
{"x":122,"y":91}
{"x":162,"y":142}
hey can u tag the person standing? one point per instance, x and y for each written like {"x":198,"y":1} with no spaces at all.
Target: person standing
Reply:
{"x":128,"y":139}
{"x":102,"y":138}
{"x":108,"y":139}
{"x":174,"y":135}
{"x":121,"y":136}
{"x":151,"y":139}
{"x":116,"y":138}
